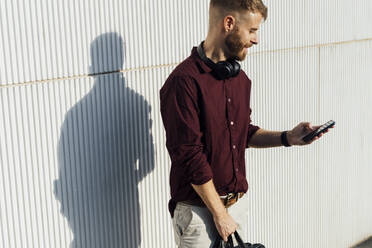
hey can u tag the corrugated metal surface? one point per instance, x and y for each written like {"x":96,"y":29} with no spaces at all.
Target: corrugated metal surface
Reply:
{"x":317,"y":195}
{"x":346,"y":79}
{"x":79,"y":163}
{"x":50,"y":39}
{"x":83,"y":160}
{"x":283,"y":182}
{"x":301,"y":23}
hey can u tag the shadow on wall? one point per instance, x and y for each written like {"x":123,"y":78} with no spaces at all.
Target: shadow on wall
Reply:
{"x":105,"y":149}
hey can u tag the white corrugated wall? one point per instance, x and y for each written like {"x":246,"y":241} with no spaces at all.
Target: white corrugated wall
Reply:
{"x":82,"y":150}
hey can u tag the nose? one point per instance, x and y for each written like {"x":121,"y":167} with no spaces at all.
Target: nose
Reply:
{"x":254,"y":40}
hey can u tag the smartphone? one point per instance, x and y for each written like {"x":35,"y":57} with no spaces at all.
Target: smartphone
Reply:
{"x":320,"y":130}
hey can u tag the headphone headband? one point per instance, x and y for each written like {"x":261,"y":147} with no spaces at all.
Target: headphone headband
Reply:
{"x":204,"y":57}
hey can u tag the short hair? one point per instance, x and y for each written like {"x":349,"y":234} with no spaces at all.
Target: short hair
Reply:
{"x":238,"y":5}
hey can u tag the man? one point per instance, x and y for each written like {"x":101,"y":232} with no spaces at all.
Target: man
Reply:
{"x":205,"y":107}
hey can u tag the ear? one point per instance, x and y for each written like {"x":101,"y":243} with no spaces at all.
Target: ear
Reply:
{"x":229,"y":23}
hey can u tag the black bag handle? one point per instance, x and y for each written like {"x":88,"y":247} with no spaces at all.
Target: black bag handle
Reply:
{"x":238,"y":239}
{"x":219,"y":243}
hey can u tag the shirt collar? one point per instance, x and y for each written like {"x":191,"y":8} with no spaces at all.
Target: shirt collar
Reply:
{"x":201,"y":64}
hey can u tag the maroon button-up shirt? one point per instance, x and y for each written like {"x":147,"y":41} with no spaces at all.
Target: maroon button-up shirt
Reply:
{"x":208,"y":126}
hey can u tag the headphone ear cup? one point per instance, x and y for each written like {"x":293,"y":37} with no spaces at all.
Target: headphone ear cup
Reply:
{"x":227,"y":69}
{"x":235,"y":67}
{"x":223,"y":70}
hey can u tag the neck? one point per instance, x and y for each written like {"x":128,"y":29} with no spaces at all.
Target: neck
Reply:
{"x":213,"y":49}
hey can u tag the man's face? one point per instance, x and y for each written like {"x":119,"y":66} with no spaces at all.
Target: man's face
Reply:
{"x":243,"y":36}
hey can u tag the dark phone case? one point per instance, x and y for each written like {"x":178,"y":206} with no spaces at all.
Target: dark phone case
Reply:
{"x":320,"y":130}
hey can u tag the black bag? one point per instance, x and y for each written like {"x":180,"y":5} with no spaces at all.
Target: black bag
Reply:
{"x":219,"y":243}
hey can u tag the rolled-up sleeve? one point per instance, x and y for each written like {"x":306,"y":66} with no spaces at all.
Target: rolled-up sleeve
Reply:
{"x":252,"y":129}
{"x":180,"y":115}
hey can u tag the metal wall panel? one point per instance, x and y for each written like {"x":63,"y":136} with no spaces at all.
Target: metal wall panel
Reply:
{"x":30,"y":121}
{"x":83,"y":160}
{"x":50,"y":39}
{"x":44,"y":39}
{"x":283,"y":181}
{"x":294,"y":23}
{"x":79,"y":165}
{"x":345,"y":95}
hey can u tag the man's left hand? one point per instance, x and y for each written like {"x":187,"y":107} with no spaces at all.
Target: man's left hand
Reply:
{"x":295,"y":135}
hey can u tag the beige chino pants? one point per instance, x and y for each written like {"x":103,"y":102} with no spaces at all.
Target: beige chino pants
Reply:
{"x":194,"y":226}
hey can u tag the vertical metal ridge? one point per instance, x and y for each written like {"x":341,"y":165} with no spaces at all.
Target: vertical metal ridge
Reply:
{"x":23,"y":113}
{"x":2,"y":192}
{"x":15,"y":202}
{"x":5,"y":230}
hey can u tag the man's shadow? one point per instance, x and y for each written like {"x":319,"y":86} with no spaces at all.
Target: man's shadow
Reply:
{"x":105,"y":149}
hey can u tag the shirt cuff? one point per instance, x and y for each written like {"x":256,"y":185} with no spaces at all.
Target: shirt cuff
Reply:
{"x":203,"y":177}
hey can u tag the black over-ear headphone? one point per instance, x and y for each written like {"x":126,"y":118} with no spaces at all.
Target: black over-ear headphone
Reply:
{"x":221,"y":70}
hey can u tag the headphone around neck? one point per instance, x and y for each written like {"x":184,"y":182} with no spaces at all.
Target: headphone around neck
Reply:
{"x":222,"y":69}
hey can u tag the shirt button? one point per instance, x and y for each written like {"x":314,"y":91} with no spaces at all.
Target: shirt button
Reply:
{"x":232,"y":123}
{"x":234,"y":146}
{"x":229,"y":99}
{"x":236,"y":169}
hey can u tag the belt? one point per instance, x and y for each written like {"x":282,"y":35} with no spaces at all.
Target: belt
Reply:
{"x":227,"y":200}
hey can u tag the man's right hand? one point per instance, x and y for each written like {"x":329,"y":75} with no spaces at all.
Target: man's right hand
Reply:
{"x":225,"y":225}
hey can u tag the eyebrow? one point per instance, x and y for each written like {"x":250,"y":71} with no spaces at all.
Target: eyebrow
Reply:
{"x":255,"y":29}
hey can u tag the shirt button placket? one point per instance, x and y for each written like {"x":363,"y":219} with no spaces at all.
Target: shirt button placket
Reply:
{"x":234,"y":150}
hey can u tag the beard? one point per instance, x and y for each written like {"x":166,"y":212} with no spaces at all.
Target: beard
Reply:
{"x":235,"y":46}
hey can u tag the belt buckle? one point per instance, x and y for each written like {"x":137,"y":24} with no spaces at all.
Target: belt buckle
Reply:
{"x":229,"y":197}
